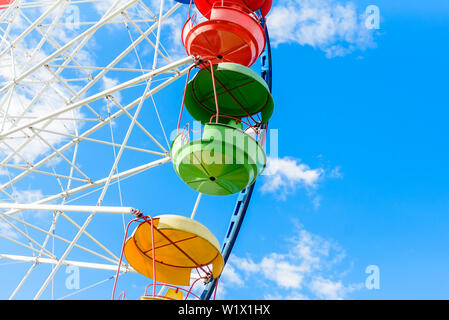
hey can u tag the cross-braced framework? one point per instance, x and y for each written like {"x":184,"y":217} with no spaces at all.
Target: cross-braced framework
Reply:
{"x":76,"y":78}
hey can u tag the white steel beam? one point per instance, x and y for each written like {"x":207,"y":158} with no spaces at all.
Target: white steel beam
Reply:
{"x":65,"y":208}
{"x":89,"y":265}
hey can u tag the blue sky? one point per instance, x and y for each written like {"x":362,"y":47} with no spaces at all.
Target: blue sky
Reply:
{"x":380,"y":117}
{"x":361,"y":177}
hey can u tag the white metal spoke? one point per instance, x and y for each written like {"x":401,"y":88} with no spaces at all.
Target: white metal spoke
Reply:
{"x":195,"y":207}
{"x":22,"y":244}
{"x":105,"y":142}
{"x":97,"y":266}
{"x":61,"y":155}
{"x":121,"y":175}
{"x":99,"y":202}
{"x":91,"y":237}
{"x":56,"y":207}
{"x":98,"y":126}
{"x":58,"y":238}
{"x":139,"y":125}
{"x":16,"y":290}
{"x":100,"y":95}
{"x":81,"y":37}
{"x":48,"y":253}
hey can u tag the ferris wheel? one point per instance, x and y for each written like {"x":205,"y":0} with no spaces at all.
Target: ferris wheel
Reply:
{"x":85,"y":92}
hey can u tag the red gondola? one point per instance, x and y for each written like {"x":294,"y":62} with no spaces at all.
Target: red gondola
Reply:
{"x":5,"y":3}
{"x":231,"y":35}
{"x":205,"y":6}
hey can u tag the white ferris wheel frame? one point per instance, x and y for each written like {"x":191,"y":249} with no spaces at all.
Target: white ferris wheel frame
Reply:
{"x":34,"y":128}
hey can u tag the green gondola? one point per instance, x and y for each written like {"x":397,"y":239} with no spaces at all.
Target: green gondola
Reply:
{"x":240,"y":92}
{"x":224,"y":161}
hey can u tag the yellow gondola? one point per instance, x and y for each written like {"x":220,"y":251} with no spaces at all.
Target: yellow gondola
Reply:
{"x":171,"y":294}
{"x":180,"y":245}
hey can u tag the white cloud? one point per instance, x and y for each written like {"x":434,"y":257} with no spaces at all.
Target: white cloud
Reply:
{"x":173,"y":43}
{"x":245,"y":264}
{"x":278,"y":269}
{"x":327,"y":289}
{"x":27,"y":196}
{"x":20,"y":102}
{"x":273,"y":267}
{"x":103,"y":6}
{"x":21,"y":196}
{"x":48,"y":102}
{"x":336,"y":173}
{"x":283,"y":175}
{"x":316,"y":201}
{"x":294,"y":296}
{"x":7,"y":230}
{"x":331,"y":290}
{"x":332,"y":26}
{"x":304,"y":271}
{"x":231,"y":276}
